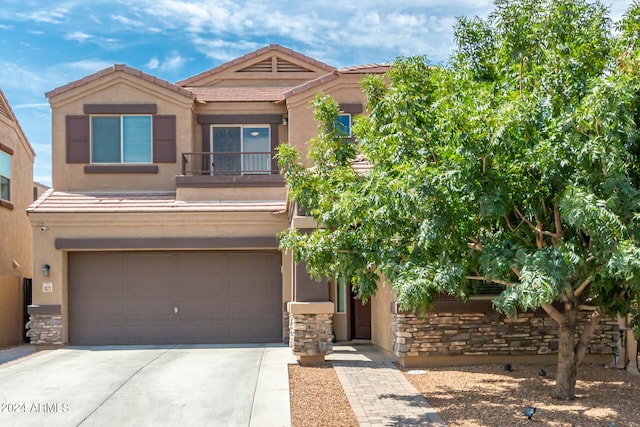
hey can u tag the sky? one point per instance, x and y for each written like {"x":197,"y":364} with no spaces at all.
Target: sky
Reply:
{"x":47,"y":44}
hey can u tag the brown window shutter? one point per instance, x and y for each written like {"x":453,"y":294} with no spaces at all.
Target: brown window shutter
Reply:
{"x":164,"y":139}
{"x":78,"y":140}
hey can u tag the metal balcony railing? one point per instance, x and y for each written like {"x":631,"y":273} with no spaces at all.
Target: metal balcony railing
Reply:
{"x":229,"y":163}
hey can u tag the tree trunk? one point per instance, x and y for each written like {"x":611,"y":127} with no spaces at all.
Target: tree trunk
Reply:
{"x":567,"y":357}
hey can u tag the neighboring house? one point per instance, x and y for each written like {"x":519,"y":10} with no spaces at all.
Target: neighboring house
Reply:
{"x":161,"y":227}
{"x":16,"y":194}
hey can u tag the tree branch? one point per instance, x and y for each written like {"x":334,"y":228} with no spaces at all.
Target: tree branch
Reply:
{"x":582,"y":286}
{"x":522,"y":217}
{"x":585,"y":338}
{"x":485,"y":279}
{"x":558,"y":221}
{"x":553,"y":312}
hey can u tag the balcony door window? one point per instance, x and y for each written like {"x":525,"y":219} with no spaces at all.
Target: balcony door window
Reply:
{"x":240,"y":150}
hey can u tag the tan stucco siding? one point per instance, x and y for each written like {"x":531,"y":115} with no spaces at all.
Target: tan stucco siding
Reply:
{"x":15,"y":233}
{"x":346,"y":89}
{"x":118,"y":88}
{"x":381,"y":317}
{"x":48,"y":227}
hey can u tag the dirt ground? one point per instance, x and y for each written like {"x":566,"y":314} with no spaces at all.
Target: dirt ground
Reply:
{"x":483,"y":396}
{"x":486,"y":396}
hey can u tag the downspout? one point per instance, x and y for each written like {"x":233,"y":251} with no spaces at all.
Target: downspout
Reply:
{"x":623,"y":352}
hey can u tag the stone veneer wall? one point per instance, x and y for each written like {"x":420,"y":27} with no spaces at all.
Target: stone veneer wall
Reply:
{"x":45,"y":328}
{"x":311,"y":334}
{"x":487,"y":334}
{"x":285,"y":327}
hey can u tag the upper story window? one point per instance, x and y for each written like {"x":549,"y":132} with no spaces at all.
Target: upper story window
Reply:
{"x":121,"y":139}
{"x":240,"y":149}
{"x":343,"y":125}
{"x":5,"y":176}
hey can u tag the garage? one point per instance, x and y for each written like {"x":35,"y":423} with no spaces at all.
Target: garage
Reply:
{"x":174,"y":297}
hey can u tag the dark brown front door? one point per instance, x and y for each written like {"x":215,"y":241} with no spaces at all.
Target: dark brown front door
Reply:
{"x":360,"y":319}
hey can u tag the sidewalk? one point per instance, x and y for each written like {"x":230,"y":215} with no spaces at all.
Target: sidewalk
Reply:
{"x":378,"y":392}
{"x":14,"y":353}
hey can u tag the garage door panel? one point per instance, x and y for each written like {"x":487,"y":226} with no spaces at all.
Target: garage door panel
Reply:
{"x":129,"y":297}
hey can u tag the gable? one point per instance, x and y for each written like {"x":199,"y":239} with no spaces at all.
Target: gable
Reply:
{"x":7,"y":116}
{"x":119,"y":73}
{"x":272,"y":65}
{"x":4,"y":109}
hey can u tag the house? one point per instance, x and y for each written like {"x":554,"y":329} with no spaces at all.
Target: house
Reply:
{"x":16,"y":194}
{"x":162,"y":223}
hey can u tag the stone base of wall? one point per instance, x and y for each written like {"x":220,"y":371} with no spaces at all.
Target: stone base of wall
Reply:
{"x":45,"y":329}
{"x":488,"y":334}
{"x":311,"y":334}
{"x":311,"y":331}
{"x":285,"y":327}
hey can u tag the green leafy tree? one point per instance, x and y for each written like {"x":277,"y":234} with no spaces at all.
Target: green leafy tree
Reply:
{"x":517,"y":165}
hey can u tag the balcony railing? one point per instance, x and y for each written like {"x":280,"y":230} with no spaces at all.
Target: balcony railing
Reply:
{"x":229,"y":163}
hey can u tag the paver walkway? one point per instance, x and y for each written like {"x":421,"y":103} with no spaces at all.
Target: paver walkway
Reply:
{"x":378,"y":392}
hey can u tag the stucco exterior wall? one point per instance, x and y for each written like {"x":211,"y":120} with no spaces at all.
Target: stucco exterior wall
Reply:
{"x":48,"y":227}
{"x":346,"y":89}
{"x":381,"y":317}
{"x":15,"y":233}
{"x":118,"y":88}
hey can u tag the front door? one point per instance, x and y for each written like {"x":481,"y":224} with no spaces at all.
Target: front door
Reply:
{"x":360,"y":319}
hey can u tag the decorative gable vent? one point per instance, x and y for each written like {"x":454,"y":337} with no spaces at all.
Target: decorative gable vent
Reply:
{"x":288,"y":67}
{"x":281,"y":66}
{"x":260,"y":67}
{"x":4,"y":110}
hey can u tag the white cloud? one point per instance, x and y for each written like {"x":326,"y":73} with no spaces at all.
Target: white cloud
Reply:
{"x":79,"y":36}
{"x":172,"y":62}
{"x":127,"y":21}
{"x":30,"y":106}
{"x":54,"y":16}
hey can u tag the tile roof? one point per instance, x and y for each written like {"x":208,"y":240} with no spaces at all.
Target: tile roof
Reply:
{"x":358,"y":69}
{"x":248,"y":56}
{"x":127,"y":70}
{"x":366,"y":69}
{"x":6,"y":111}
{"x":210,"y":94}
{"x":66,"y":202}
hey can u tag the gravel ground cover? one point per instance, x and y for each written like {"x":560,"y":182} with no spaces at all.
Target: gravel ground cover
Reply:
{"x":483,"y":396}
{"x":486,"y":396}
{"x":317,"y":398}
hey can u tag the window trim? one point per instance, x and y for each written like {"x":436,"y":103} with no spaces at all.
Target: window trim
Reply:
{"x":121,"y":116}
{"x":350,"y":116}
{"x":8,"y":178}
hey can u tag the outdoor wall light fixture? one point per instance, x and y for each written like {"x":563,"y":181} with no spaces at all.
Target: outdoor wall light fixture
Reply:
{"x":285,"y":120}
{"x":45,"y":270}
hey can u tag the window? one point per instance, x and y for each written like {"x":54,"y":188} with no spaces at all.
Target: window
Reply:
{"x":240,"y":150}
{"x":5,"y":176}
{"x":343,"y":125}
{"x":121,"y":139}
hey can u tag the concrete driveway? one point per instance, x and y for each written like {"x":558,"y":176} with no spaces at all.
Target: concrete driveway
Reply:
{"x":203,"y":385}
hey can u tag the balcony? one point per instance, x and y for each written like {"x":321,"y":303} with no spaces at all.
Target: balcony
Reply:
{"x":230,"y":170}
{"x":229,"y":163}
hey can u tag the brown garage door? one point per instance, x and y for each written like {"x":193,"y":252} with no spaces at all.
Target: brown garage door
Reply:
{"x":182,"y":297}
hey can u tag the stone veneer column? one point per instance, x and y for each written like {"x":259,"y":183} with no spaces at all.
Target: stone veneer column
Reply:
{"x":45,"y":324}
{"x":311,"y":331}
